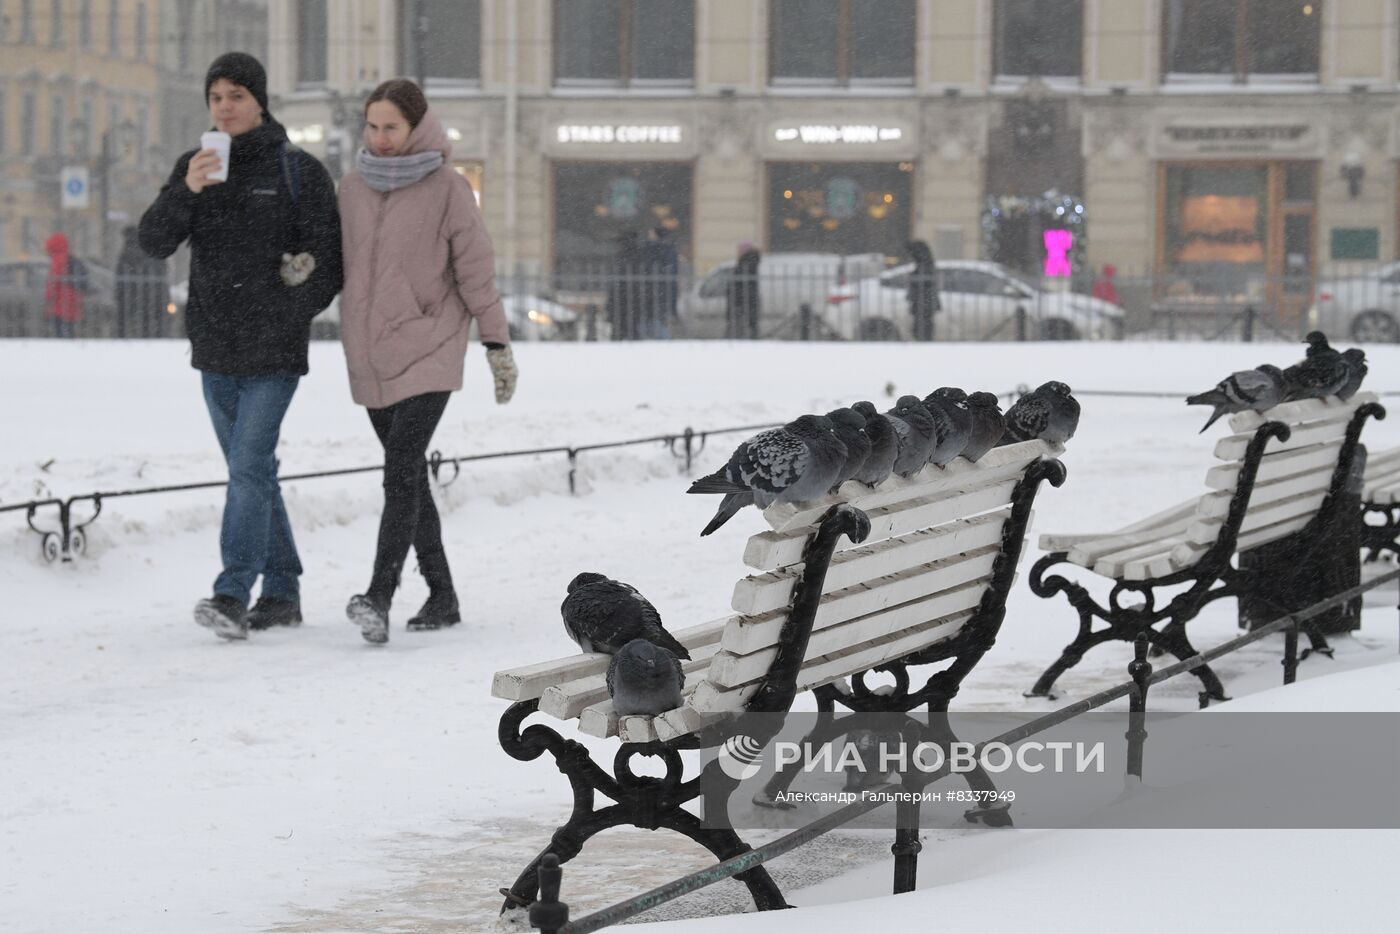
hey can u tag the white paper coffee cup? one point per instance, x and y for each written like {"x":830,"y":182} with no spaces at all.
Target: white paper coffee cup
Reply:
{"x":219,"y":142}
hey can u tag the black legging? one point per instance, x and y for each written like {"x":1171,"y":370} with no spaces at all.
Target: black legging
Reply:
{"x":410,"y":517}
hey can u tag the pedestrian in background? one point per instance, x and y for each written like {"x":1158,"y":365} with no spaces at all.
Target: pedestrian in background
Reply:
{"x":923,"y":290}
{"x":65,"y":288}
{"x":1105,"y":288}
{"x":663,"y":276}
{"x":264,"y":260}
{"x":743,"y":305}
{"x":142,"y":290}
{"x":419,"y":267}
{"x":625,"y":293}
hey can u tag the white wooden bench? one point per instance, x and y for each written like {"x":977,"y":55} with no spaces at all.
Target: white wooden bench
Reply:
{"x":1279,"y":471}
{"x":1380,"y":498}
{"x":932,"y":570}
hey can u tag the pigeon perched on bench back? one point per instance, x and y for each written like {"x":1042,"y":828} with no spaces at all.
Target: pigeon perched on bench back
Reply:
{"x":918,"y":436}
{"x":1356,"y":372}
{"x":884,"y":446}
{"x":796,"y":463}
{"x":1323,"y":372}
{"x":849,"y":426}
{"x":1258,"y":389}
{"x":988,"y":425}
{"x":951,"y":435}
{"x":603,"y":615}
{"x":1047,"y":413}
{"x":644,"y":680}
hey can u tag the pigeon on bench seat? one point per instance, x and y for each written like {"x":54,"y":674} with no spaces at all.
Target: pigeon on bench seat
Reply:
{"x":1258,"y":389}
{"x":1323,"y":372}
{"x":988,"y":425}
{"x":884,"y":446}
{"x":796,"y":463}
{"x":1047,"y":413}
{"x":644,"y":680}
{"x":603,"y":615}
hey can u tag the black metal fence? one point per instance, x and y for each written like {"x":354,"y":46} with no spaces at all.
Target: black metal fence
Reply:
{"x":809,"y":297}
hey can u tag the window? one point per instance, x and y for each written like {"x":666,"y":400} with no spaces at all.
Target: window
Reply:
{"x":56,"y":121}
{"x":1239,"y":38}
{"x":311,"y":42}
{"x":841,"y":42}
{"x":4,"y":116}
{"x":27,"y":120}
{"x":624,"y":42}
{"x":114,"y":28}
{"x":1039,"y":38}
{"x":85,"y":24}
{"x":56,"y":23}
{"x":598,"y":205}
{"x":141,"y":32}
{"x":143,"y":127}
{"x":839,"y":207}
{"x":88,"y":128}
{"x":183,"y":29}
{"x":453,"y":43}
{"x":26,"y":21}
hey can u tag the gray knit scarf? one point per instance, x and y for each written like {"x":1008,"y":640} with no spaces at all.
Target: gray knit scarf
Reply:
{"x":387,"y":173}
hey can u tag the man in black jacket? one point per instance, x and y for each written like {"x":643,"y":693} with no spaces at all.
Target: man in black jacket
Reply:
{"x":264,"y":260}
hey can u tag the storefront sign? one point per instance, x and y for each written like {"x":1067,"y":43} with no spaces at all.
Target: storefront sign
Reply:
{"x":1236,"y":137}
{"x":830,"y":133}
{"x":613,"y":133}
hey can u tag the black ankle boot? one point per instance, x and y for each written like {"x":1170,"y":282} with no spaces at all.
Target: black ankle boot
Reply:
{"x":439,"y":612}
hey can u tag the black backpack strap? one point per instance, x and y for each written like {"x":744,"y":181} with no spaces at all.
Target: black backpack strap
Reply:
{"x":290,"y":174}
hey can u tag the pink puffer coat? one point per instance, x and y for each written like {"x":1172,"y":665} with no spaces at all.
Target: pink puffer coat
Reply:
{"x":419,"y":266}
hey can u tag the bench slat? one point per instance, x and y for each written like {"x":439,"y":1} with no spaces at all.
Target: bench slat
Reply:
{"x":1276,"y":466}
{"x":998,"y":463}
{"x":764,"y":592}
{"x":816,"y":671}
{"x":1305,"y":505}
{"x":1292,"y":413}
{"x":777,"y":550}
{"x":1218,"y":504}
{"x":746,"y":634}
{"x":1174,"y":516}
{"x":1247,"y":541}
{"x":1113,"y":563}
{"x":1233,"y":447}
{"x":567,"y":700}
{"x":730,"y":670}
{"x":530,"y":681}
{"x":683,"y":721}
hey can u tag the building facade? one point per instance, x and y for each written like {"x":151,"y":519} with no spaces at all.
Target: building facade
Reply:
{"x":79,"y":106}
{"x":1235,"y":145}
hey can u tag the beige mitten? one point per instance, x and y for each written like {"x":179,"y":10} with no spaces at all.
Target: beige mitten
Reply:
{"x":503,"y":370}
{"x":297,"y":269}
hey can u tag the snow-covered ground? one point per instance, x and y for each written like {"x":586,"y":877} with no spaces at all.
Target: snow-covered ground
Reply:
{"x":155,"y":779}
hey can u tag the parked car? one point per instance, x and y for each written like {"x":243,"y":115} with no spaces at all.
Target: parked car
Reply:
{"x":980,"y":301}
{"x":535,"y":318}
{"x":1364,"y":307}
{"x":22,"y":298}
{"x":786,"y":281}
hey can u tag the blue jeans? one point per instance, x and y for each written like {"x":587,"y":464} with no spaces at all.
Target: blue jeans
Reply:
{"x":256,"y":538}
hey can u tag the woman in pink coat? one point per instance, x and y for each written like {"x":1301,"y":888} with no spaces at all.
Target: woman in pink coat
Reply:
{"x":419,"y":267}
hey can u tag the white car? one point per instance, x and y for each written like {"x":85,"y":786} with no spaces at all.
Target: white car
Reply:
{"x":786,"y":282}
{"x":980,"y":302}
{"x":533,"y":318}
{"x":1366,"y":308}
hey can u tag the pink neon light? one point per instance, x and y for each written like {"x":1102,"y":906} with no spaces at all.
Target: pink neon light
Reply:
{"x":1058,"y":243}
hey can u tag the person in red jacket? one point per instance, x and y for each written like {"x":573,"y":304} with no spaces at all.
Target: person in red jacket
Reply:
{"x":63,"y":299}
{"x":1105,"y":288}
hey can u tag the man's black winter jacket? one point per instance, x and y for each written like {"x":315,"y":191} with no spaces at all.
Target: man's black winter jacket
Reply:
{"x":241,"y":319}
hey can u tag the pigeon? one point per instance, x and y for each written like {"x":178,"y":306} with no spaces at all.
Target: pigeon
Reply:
{"x":1323,"y":372}
{"x":1258,"y":389}
{"x":644,"y":679}
{"x":1356,"y":372}
{"x":884,"y":445}
{"x":849,"y":425}
{"x":918,"y":436}
{"x":951,"y":442}
{"x":793,"y":464}
{"x":988,"y":425}
{"x":1048,"y":413}
{"x":603,"y":615}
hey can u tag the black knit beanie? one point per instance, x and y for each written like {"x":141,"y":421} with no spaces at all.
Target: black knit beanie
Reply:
{"x":242,"y":69}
